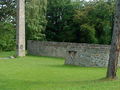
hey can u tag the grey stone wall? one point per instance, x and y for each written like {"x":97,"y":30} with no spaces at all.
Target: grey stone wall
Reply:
{"x":80,"y":54}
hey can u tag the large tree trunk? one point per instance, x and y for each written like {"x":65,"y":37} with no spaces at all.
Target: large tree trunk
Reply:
{"x":115,"y":46}
{"x":20,"y":33}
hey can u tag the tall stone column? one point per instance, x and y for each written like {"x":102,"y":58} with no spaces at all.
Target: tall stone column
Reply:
{"x":20,"y":32}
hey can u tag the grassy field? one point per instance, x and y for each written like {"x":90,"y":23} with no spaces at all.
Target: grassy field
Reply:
{"x":6,"y":54}
{"x":45,"y":73}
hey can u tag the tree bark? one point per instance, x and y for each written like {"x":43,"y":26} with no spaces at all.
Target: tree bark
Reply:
{"x":115,"y":45}
{"x":20,"y":33}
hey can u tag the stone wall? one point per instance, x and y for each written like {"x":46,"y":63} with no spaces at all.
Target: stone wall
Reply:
{"x":74,"y":53}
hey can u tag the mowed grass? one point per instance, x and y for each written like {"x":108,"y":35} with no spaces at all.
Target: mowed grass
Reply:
{"x":46,"y":73}
{"x":7,"y":54}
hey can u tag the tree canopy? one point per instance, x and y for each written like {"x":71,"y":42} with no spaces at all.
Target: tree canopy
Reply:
{"x":59,"y":20}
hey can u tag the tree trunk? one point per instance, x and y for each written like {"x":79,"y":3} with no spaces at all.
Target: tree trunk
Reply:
{"x":115,"y":46}
{"x":20,"y":33}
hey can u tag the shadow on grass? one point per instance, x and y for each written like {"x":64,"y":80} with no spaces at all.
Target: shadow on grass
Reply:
{"x":45,"y":56}
{"x":73,"y":66}
{"x":30,"y":82}
{"x":14,"y":84}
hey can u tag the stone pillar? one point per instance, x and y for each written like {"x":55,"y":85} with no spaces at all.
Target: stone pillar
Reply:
{"x":20,"y":32}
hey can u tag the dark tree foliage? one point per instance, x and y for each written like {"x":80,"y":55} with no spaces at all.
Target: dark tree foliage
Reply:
{"x":58,"y":16}
{"x":7,"y":25}
{"x":80,"y":21}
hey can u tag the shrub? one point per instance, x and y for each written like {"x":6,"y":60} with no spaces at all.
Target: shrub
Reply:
{"x":7,"y":36}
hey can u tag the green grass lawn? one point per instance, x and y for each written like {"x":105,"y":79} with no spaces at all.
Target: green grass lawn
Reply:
{"x":6,"y":54}
{"x":45,"y":73}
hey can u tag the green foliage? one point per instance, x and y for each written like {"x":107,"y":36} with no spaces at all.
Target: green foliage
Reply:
{"x":76,"y":21}
{"x":36,"y":19}
{"x":58,"y":15}
{"x":7,"y":25}
{"x":68,"y":21}
{"x":98,"y":15}
{"x":35,"y":22}
{"x":7,"y":11}
{"x":67,"y":34}
{"x":7,"y":37}
{"x":87,"y":34}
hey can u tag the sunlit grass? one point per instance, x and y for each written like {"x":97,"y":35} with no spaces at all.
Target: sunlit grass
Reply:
{"x":46,"y":73}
